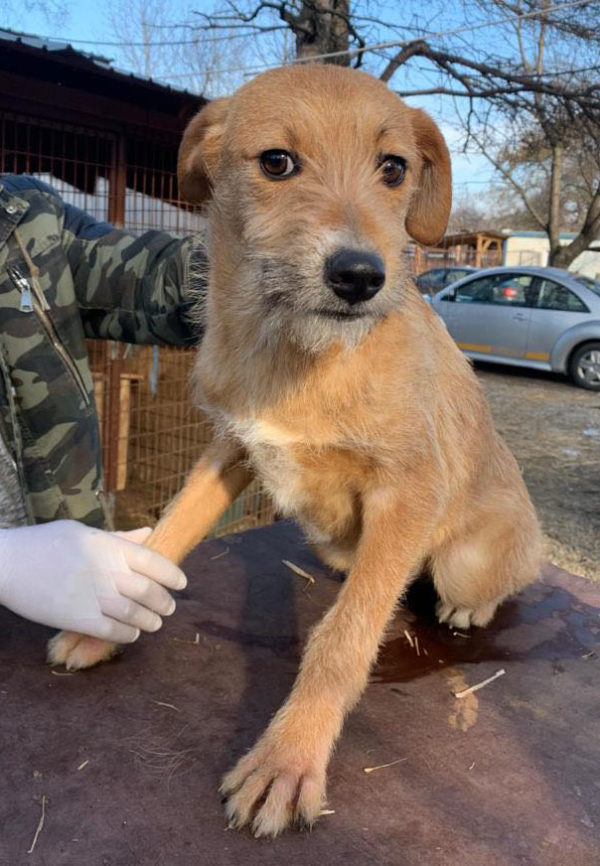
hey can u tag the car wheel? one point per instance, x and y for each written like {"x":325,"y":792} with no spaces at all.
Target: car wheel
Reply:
{"x":584,"y":366}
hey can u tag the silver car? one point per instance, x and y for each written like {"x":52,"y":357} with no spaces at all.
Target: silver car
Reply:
{"x":544,"y":318}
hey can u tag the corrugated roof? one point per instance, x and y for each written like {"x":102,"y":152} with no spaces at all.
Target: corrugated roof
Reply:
{"x":51,"y":45}
{"x":66,"y":50}
{"x":563,"y":236}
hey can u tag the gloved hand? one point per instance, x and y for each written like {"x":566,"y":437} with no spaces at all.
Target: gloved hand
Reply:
{"x":72,"y":577}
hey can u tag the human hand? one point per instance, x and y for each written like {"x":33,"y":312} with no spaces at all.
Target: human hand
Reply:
{"x":70,"y":576}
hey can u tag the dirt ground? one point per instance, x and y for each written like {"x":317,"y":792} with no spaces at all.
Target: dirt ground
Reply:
{"x":553,"y":430}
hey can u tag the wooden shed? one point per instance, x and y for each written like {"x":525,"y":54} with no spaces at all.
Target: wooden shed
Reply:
{"x":482,"y":249}
{"x":73,"y":117}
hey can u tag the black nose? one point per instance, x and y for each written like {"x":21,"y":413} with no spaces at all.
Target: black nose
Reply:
{"x":355,"y":275}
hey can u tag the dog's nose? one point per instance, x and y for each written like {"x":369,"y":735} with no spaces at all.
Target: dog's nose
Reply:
{"x":355,"y":275}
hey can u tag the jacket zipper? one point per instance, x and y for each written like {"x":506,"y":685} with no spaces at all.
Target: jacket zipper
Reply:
{"x":34,"y":300}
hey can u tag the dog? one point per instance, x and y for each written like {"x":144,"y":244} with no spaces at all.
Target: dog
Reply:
{"x":327,"y":374}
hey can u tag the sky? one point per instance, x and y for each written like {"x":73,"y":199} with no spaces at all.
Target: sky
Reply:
{"x":89,"y":20}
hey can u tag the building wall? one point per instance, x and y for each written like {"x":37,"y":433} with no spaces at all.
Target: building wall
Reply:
{"x":533,"y":249}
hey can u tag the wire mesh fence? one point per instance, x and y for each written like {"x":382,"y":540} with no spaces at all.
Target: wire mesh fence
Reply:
{"x":150,"y":430}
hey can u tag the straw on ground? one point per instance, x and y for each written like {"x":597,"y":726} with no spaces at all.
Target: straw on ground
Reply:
{"x":299,"y":571}
{"x":39,"y":826}
{"x":477,"y":686}
{"x":383,"y":766}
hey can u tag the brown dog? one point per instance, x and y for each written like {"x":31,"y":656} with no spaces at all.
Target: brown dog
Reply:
{"x":326,"y":373}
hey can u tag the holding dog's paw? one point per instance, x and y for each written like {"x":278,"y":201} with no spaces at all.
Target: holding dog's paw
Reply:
{"x":105,"y":585}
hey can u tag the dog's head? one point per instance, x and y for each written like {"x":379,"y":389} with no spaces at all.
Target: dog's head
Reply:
{"x":315,"y":176}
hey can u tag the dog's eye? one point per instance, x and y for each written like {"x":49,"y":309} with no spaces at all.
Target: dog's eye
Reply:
{"x":278,"y":164}
{"x":393,"y":169}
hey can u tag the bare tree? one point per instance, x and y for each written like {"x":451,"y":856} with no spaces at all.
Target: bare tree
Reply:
{"x":468,"y":216}
{"x":318,"y":26}
{"x":55,"y":12}
{"x":152,"y":44}
{"x":550,"y":183}
{"x":549,"y":150}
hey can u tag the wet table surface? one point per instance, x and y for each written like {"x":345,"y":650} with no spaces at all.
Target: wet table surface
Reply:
{"x":127,"y":757}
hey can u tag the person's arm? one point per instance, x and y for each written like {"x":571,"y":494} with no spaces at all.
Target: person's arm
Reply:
{"x":134,"y":289}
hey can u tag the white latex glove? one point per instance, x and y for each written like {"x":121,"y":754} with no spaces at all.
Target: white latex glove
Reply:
{"x":73,"y":577}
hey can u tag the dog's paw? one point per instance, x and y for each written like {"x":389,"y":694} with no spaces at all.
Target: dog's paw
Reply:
{"x":273,"y":786}
{"x":76,"y":651}
{"x":464,"y":617}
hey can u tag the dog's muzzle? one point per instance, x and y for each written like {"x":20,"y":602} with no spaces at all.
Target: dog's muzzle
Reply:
{"x":354,"y":275}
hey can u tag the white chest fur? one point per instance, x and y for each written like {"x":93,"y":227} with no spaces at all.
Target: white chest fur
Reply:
{"x":271,"y":453}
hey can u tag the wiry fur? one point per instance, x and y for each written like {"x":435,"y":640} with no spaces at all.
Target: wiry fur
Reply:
{"x":372,"y":432}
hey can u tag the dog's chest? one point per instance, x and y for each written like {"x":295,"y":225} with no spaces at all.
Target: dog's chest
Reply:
{"x":316,"y":483}
{"x":273,"y":454}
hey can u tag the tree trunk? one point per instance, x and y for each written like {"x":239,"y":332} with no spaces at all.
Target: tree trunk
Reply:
{"x":554,"y":209}
{"x":326,"y":32}
{"x":562,"y":257}
{"x":584,"y":240}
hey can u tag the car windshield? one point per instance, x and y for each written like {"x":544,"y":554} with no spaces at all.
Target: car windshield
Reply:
{"x":454,"y":275}
{"x":589,"y":283}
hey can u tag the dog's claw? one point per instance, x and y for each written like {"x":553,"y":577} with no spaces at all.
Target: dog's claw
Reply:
{"x":304,"y":826}
{"x":462,"y":617}
{"x":272,"y":788}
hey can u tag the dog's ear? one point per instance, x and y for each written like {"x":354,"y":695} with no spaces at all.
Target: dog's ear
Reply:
{"x":199,"y":151}
{"x":429,"y":209}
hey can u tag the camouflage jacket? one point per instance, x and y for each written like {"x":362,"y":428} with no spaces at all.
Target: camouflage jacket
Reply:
{"x":65,"y":277}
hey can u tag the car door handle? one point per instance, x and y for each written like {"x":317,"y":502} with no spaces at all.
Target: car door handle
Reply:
{"x":520,"y":316}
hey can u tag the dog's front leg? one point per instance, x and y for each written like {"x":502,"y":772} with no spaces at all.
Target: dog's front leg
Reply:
{"x":213,"y":484}
{"x":282,"y":779}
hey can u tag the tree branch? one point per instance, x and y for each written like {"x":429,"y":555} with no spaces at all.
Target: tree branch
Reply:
{"x":511,"y":180}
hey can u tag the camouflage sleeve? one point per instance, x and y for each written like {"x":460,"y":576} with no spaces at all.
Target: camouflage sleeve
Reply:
{"x":137,"y":289}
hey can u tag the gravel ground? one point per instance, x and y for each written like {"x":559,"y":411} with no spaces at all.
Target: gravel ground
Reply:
{"x":553,"y":429}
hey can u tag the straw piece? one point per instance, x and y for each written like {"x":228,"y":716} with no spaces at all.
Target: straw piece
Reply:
{"x":382,"y":766}
{"x":299,"y":571}
{"x":480,"y":685}
{"x":39,"y":826}
{"x":81,"y":766}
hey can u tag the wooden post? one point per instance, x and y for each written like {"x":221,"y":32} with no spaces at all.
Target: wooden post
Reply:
{"x":478,"y":251}
{"x":117,"y":181}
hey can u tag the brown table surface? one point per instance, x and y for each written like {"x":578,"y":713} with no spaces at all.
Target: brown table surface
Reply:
{"x":129,"y":755}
